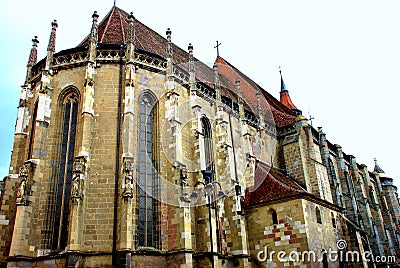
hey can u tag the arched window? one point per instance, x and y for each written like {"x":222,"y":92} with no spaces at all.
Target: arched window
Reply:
{"x":208,"y":144}
{"x":148,"y":205}
{"x":32,"y":134}
{"x":69,"y":114}
{"x":318,"y":215}
{"x":274,"y":216}
{"x":372,"y":195}
{"x":334,"y":225}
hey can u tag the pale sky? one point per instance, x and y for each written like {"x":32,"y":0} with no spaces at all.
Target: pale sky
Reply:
{"x":340,"y":59}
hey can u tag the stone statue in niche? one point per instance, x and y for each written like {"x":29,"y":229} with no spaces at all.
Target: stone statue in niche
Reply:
{"x":184,"y":177}
{"x":78,"y":178}
{"x":76,"y":185}
{"x":21,"y":190}
{"x":24,"y":172}
{"x":128,"y":179}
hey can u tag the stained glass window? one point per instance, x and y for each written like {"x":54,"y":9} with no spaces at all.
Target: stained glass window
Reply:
{"x":318,"y":215}
{"x":32,"y":134}
{"x":60,"y":227}
{"x":148,"y":204}
{"x":208,"y":144}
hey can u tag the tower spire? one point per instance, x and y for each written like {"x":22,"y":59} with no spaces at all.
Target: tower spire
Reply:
{"x":32,"y":58}
{"x":94,"y":36}
{"x":285,"y":98}
{"x":377,"y":168}
{"x":240,"y":99}
{"x":169,"y":44}
{"x":51,"y":48}
{"x":283,"y":86}
{"x":192,"y":74}
{"x":260,"y":111}
{"x":130,"y":39}
{"x":217,"y":84}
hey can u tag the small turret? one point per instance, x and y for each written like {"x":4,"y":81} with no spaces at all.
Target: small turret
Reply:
{"x":169,"y":44}
{"x":130,"y":39}
{"x":32,"y":58}
{"x":260,"y":110}
{"x":94,"y":36}
{"x":51,"y":48}
{"x":192,"y":75}
{"x":377,"y":168}
{"x":240,"y":99}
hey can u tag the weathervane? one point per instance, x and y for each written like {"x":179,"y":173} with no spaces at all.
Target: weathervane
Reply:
{"x":217,"y":47}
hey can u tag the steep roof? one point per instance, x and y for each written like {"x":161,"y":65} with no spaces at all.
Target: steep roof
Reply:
{"x":377,"y":168}
{"x":272,"y":186}
{"x":281,"y":114}
{"x":285,"y":97}
{"x":113,"y":30}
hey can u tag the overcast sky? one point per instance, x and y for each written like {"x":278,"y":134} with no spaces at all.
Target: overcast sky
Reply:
{"x":340,"y":59}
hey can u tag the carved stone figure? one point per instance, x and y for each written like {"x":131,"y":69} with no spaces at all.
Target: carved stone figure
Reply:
{"x":184,"y":177}
{"x":128,"y":179}
{"x":24,"y":171}
{"x":76,"y":186}
{"x":78,"y":178}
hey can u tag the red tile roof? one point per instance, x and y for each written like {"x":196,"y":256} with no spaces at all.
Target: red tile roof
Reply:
{"x":271,"y":185}
{"x":285,"y":100}
{"x":113,"y":30}
{"x":281,"y":114}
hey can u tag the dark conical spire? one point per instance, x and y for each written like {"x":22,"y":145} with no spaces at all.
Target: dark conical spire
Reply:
{"x":32,"y":58}
{"x":283,"y":86}
{"x":377,"y":168}
{"x":285,"y":98}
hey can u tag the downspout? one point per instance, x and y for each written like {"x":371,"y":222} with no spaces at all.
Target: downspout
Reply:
{"x":116,"y":189}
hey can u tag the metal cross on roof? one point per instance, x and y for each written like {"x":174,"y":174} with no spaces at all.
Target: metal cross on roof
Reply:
{"x":310,"y":118}
{"x":217,"y":47}
{"x":115,"y":1}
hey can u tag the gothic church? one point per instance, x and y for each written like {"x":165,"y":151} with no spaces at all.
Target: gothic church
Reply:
{"x":130,"y":152}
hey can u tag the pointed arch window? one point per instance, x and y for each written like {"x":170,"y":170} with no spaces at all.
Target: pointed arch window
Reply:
{"x":372,"y":195}
{"x":148,"y":205}
{"x":208,"y":145}
{"x":334,"y":223}
{"x":33,"y":129}
{"x":274,"y":216}
{"x":63,"y":188}
{"x":318,"y":215}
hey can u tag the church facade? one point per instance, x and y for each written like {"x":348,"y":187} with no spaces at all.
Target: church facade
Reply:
{"x":129,"y":152}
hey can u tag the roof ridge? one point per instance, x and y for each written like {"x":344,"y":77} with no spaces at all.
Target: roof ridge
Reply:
{"x":108,"y":17}
{"x":122,"y":25}
{"x":274,"y":100}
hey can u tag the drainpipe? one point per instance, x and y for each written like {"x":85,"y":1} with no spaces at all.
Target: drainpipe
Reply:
{"x":116,"y":189}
